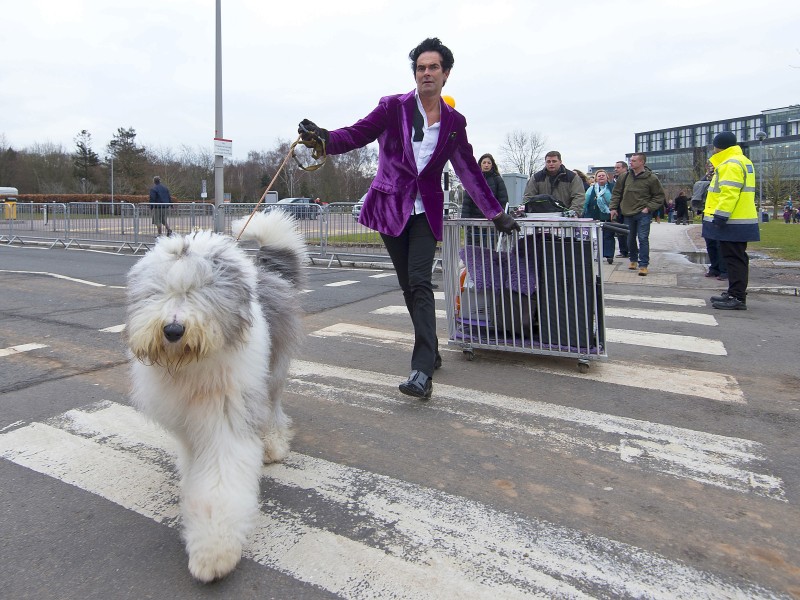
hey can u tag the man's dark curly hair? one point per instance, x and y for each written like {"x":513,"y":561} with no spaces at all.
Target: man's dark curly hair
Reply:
{"x":432,"y":45}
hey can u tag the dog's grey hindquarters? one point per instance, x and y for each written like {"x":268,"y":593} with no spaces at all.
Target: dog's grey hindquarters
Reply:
{"x":280,"y":261}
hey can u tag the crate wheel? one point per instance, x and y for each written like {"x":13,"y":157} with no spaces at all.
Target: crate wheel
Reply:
{"x":469,"y":355}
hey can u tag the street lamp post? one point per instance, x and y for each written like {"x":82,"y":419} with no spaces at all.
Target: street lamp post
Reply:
{"x":760,"y":136}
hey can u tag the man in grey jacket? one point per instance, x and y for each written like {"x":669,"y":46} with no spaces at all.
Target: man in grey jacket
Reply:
{"x":637,"y":195}
{"x":558,"y":181}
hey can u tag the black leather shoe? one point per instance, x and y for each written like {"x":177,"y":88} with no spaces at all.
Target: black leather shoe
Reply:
{"x":723,"y":297}
{"x":418,"y":385}
{"x":437,"y":362}
{"x":730,"y":304}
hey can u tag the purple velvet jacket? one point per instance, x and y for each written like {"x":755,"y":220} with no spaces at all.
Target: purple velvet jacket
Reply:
{"x":390,"y":199}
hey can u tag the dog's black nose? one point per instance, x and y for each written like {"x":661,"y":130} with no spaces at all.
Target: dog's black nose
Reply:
{"x":173,"y":332}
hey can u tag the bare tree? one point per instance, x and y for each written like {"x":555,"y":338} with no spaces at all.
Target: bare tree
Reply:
{"x":522,"y":152}
{"x":779,"y":180}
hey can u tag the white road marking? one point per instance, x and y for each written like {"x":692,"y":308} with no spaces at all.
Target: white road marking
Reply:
{"x":12,"y":350}
{"x":684,"y":343}
{"x":656,"y":299}
{"x":56,"y":276}
{"x":382,"y":275}
{"x":662,"y":315}
{"x":690,"y":382}
{"x":704,"y":457}
{"x":438,"y":295}
{"x":341,"y":283}
{"x":402,"y":310}
{"x":114,"y":329}
{"x":425,"y":543}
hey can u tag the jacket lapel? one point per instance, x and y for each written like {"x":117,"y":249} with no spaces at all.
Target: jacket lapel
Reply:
{"x":407,"y":119}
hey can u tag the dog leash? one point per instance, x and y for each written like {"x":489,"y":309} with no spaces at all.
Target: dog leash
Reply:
{"x":317,"y":154}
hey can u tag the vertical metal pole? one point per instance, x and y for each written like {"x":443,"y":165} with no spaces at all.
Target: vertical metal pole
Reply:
{"x":112,"y":185}
{"x":219,"y":185}
{"x":760,"y":178}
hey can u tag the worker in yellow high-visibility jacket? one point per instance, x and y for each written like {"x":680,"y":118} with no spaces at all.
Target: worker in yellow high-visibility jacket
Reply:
{"x":731,"y":216}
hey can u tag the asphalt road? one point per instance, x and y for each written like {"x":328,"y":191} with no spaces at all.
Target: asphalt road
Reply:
{"x":668,"y":470}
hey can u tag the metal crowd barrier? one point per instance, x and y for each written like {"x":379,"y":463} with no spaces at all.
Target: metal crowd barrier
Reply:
{"x":331,"y":231}
{"x":539,"y":291}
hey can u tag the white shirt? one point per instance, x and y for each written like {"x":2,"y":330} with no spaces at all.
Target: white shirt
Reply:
{"x":423,"y":150}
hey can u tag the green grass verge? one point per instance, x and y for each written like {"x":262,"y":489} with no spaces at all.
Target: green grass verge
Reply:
{"x":778,"y":240}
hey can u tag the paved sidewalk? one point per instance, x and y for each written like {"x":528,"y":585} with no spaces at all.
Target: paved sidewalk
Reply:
{"x":677,"y":254}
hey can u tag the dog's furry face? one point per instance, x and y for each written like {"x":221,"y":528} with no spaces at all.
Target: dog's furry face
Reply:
{"x":188,"y":298}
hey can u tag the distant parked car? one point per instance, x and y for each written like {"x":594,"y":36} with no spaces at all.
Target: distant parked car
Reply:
{"x":357,"y":207}
{"x":299,"y":208}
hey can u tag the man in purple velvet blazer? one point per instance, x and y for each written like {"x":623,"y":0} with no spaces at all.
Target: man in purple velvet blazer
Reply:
{"x":417,"y":134}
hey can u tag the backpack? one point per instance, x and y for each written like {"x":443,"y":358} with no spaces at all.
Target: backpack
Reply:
{"x":544,"y":203}
{"x":699,"y":193}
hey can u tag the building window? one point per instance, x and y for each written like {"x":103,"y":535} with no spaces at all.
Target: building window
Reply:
{"x":686,"y":137}
{"x":701,"y":136}
{"x":670,"y":139}
{"x":656,"y":142}
{"x":792,"y":128}
{"x":641,"y":143}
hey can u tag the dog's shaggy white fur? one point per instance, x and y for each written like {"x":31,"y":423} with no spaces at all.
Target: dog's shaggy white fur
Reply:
{"x":211,"y":335}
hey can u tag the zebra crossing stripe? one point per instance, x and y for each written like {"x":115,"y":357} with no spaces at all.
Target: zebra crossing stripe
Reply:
{"x":662,"y":315}
{"x":12,"y":350}
{"x":341,"y":283}
{"x":412,"y":542}
{"x":656,"y":299}
{"x":668,"y":341}
{"x":394,"y":311}
{"x":711,"y":459}
{"x":690,"y":382}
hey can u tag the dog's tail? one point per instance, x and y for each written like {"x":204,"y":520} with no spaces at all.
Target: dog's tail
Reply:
{"x":282,"y":247}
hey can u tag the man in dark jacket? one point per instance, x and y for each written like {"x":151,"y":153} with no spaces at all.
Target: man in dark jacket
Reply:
{"x":557,"y":181}
{"x":159,"y":201}
{"x":638,"y":195}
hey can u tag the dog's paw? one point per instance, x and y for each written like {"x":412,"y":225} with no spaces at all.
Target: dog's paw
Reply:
{"x":214,"y":560}
{"x":276,"y":448}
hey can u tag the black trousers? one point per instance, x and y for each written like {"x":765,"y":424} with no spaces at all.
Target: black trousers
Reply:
{"x":738,"y":263}
{"x":412,"y":254}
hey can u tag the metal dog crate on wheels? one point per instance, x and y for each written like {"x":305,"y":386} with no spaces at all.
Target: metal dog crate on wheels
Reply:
{"x":539,"y":291}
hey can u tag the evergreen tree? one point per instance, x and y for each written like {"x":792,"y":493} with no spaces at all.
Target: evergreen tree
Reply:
{"x":84,"y":159}
{"x":130,"y":161}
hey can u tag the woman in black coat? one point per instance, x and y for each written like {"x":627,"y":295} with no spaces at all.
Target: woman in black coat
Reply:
{"x":469,"y":210}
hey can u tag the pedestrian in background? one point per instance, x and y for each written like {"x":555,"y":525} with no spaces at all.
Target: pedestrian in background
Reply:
{"x":584,"y":179}
{"x":417,"y":134}
{"x":160,"y":200}
{"x":731,"y":216}
{"x":620,"y":169}
{"x":716,"y":264}
{"x":557,"y":181}
{"x":597,"y":207}
{"x":470,"y":210}
{"x":638,"y":195}
{"x":681,"y":204}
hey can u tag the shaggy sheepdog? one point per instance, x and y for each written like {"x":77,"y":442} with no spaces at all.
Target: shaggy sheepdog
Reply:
{"x":212,"y":333}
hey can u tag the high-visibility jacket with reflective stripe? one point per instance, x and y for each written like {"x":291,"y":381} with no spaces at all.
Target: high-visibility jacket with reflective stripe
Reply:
{"x":731,"y":199}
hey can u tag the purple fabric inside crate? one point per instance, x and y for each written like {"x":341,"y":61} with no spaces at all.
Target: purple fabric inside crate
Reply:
{"x":483,"y":267}
{"x":493,"y":270}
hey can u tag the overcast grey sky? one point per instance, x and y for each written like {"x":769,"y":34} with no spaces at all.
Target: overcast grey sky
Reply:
{"x":585,"y":75}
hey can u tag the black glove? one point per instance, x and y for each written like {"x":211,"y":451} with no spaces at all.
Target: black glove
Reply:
{"x":311,"y":135}
{"x":720,"y":220}
{"x":504,"y":223}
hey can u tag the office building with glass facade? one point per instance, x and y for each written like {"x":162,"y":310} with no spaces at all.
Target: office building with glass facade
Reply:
{"x":679,"y":154}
